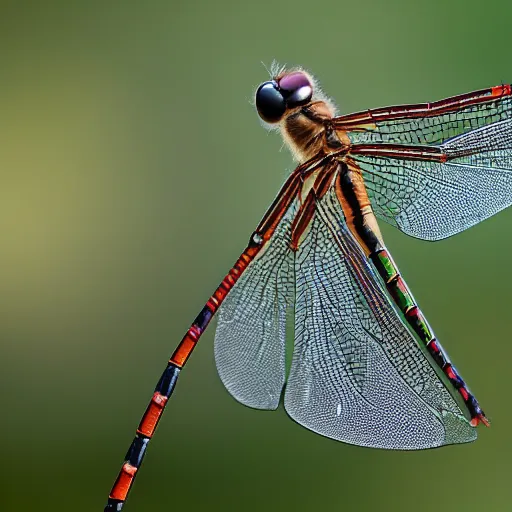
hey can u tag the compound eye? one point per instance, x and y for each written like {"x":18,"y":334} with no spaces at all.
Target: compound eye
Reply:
{"x":296,"y":89}
{"x":270,"y":102}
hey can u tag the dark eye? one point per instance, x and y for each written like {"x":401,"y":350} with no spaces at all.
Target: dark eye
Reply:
{"x":296,"y":89}
{"x":270,"y":102}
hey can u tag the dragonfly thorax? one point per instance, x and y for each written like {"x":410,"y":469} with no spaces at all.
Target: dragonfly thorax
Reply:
{"x":308,"y":131}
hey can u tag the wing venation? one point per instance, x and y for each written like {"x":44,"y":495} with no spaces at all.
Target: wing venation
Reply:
{"x":251,"y":329}
{"x":431,"y":200}
{"x":358,"y":375}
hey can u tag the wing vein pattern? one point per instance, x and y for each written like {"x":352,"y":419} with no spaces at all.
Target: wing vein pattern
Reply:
{"x":437,"y":128}
{"x":250,"y":337}
{"x":433,"y":201}
{"x":358,"y":375}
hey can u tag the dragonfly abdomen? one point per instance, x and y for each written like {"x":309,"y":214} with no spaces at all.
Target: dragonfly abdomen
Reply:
{"x":353,"y":197}
{"x":402,"y":297}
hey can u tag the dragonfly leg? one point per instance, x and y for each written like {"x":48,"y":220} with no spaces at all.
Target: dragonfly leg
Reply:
{"x":306,"y":211}
{"x":368,"y":119}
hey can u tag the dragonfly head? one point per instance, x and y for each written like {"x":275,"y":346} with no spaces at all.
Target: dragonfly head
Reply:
{"x":287,"y":91}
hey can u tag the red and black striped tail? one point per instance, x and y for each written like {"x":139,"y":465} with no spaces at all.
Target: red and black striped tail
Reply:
{"x":165,"y":386}
{"x":167,"y":381}
{"x":135,"y":454}
{"x":404,"y":300}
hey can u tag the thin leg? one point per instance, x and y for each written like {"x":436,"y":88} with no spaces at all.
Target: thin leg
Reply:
{"x":407,"y":152}
{"x":307,"y":208}
{"x":361,"y":120}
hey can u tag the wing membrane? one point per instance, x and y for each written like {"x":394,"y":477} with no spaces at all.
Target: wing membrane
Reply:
{"x":430,"y":200}
{"x":357,"y":373}
{"x":419,"y":124}
{"x":250,"y":335}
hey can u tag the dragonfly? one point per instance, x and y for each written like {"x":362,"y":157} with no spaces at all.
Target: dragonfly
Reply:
{"x":367,"y":368}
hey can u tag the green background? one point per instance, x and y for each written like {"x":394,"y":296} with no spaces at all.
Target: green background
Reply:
{"x":133,"y":170}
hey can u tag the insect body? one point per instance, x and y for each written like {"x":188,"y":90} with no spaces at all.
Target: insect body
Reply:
{"x":367,"y":368}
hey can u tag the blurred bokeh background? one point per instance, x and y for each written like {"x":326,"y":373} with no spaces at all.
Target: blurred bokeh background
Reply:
{"x":133,"y":169}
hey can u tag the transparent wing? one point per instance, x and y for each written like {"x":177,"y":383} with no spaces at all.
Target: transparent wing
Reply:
{"x":418,"y":124}
{"x":357,"y":373}
{"x":250,"y":336}
{"x":431,"y":200}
